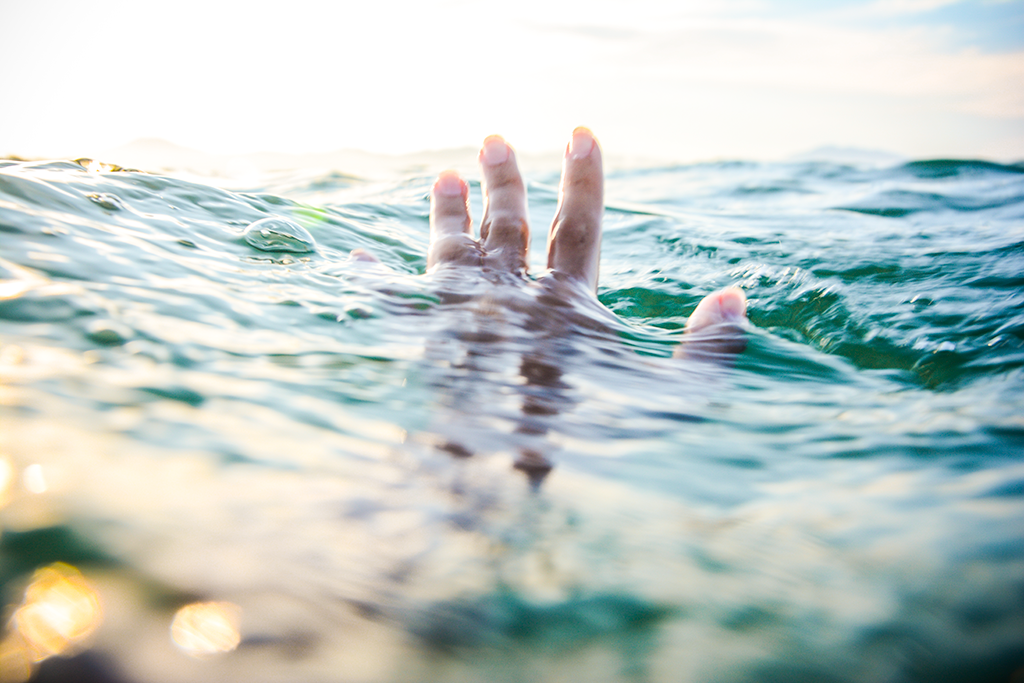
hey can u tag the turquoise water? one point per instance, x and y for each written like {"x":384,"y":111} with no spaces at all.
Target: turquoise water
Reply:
{"x":195,"y":409}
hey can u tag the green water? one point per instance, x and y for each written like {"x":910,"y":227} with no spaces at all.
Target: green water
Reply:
{"x":243,"y":414}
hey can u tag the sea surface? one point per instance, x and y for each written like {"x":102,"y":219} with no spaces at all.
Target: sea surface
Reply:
{"x":230,"y":452}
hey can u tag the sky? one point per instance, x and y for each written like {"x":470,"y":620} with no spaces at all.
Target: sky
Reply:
{"x":681,"y":80}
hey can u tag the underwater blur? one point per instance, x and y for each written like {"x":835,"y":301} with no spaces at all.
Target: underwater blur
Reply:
{"x":230,"y":452}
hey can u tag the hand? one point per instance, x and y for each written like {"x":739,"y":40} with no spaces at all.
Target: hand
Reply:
{"x":574,"y":242}
{"x":714,"y":330}
{"x":531,"y":317}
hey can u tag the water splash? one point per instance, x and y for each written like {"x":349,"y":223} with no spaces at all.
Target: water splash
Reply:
{"x":279,"y":234}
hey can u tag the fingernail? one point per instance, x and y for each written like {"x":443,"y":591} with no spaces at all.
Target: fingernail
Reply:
{"x":733,"y":303}
{"x":495,"y":150}
{"x":582,"y":143}
{"x":449,"y":184}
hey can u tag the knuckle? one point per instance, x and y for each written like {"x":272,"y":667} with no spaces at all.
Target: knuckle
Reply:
{"x":505,"y":182}
{"x":505,"y":227}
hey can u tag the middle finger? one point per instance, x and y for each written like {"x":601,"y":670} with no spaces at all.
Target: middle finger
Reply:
{"x":504,"y":229}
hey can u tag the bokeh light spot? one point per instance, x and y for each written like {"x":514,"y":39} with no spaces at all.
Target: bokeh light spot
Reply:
{"x":34,"y":480}
{"x":58,"y":614}
{"x":201,"y":629}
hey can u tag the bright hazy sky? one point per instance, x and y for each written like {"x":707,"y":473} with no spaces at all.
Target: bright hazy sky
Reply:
{"x":677,"y":79}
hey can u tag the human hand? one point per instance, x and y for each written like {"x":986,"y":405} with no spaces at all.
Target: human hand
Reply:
{"x":489,"y":274}
{"x":714,"y":330}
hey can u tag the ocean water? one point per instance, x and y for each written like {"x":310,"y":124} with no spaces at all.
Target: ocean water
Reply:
{"x":232,"y":453}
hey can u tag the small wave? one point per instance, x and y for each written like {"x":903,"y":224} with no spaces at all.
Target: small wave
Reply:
{"x":948,"y":168}
{"x":901,"y":203}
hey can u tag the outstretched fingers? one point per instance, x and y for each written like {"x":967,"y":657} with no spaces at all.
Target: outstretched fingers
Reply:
{"x":574,"y":242}
{"x":451,"y":240}
{"x":504,"y":229}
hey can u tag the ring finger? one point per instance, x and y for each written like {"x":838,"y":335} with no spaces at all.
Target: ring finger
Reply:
{"x":504,"y":229}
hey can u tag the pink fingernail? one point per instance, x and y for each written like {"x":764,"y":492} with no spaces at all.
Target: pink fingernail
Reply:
{"x":733,"y":303}
{"x":582,"y":143}
{"x":449,"y":184}
{"x":495,"y":150}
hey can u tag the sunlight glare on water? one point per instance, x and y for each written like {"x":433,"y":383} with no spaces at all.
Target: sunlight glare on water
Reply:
{"x":60,"y":611}
{"x":206,"y":628}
